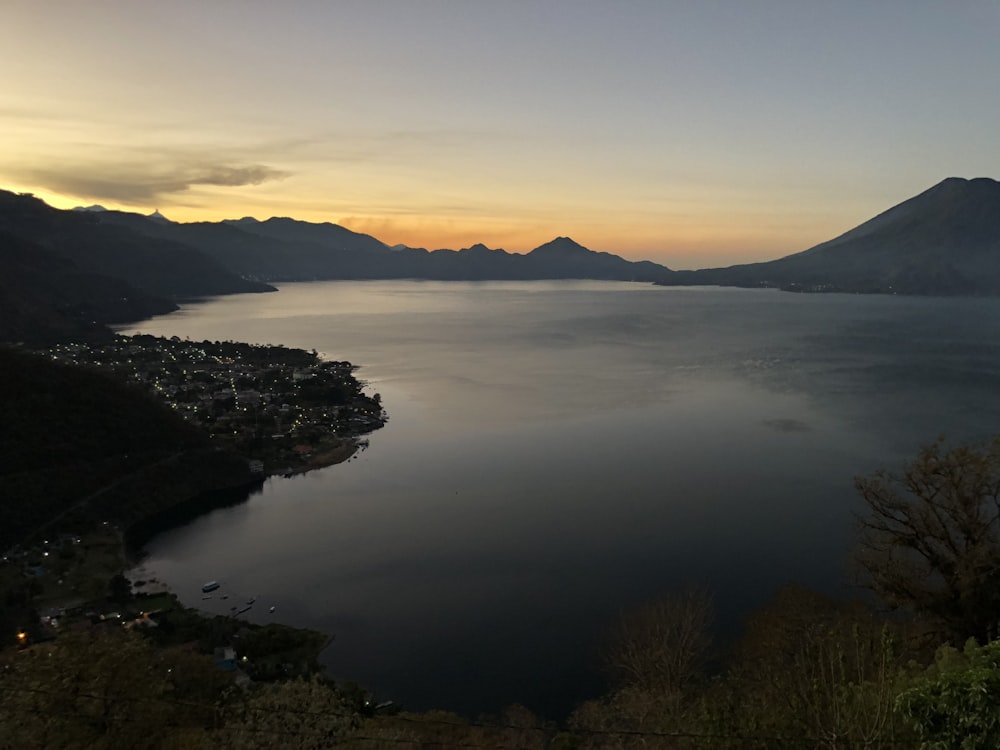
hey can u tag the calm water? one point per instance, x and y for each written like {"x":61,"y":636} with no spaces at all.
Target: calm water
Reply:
{"x":559,"y":451}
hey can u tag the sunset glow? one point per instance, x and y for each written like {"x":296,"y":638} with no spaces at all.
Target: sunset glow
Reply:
{"x":687,"y":134}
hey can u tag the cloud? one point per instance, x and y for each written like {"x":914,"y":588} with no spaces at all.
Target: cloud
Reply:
{"x":137,"y":183}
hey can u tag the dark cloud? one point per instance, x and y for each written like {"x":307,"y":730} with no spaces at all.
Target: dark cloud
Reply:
{"x":140,"y":184}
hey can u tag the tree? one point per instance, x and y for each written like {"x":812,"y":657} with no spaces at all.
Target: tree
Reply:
{"x":812,"y":666}
{"x":657,"y":658}
{"x":664,"y":644}
{"x":930,"y":540}
{"x":104,"y":689}
{"x":119,"y":589}
{"x":296,"y":715}
{"x":957,"y":703}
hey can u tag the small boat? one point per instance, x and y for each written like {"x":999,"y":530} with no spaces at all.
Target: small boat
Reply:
{"x":210,"y":586}
{"x":271,"y":609}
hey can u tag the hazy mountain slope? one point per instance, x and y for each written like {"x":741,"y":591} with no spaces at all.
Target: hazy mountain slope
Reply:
{"x":156,"y":267}
{"x":283,"y":249}
{"x":271,"y":250}
{"x":563,"y":258}
{"x":44,"y":297}
{"x":294,"y":231}
{"x":944,"y":241}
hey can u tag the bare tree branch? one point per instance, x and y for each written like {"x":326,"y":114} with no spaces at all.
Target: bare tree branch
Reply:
{"x":930,"y":540}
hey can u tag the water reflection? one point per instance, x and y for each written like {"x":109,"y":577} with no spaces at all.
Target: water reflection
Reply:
{"x":556,"y":451}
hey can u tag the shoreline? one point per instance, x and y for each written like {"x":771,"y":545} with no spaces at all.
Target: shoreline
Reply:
{"x":330,"y":457}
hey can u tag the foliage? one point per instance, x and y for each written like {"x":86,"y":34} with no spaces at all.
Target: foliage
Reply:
{"x":810,"y":666}
{"x":119,"y":589}
{"x":663,"y":644}
{"x":299,"y":715}
{"x":809,"y":671}
{"x":517,"y":727}
{"x":657,"y":660}
{"x":930,"y":540}
{"x":957,"y":702}
{"x":104,"y":689}
{"x":112,"y":689}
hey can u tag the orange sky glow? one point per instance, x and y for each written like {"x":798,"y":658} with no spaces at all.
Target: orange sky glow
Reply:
{"x":685,"y":134}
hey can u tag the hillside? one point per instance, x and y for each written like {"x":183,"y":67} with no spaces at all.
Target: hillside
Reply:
{"x":45,"y":297}
{"x":67,"y":273}
{"x":111,"y":266}
{"x":283,"y":249}
{"x":944,"y":241}
{"x":71,"y":433}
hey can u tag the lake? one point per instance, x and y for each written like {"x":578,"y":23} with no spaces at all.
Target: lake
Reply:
{"x":559,"y":451}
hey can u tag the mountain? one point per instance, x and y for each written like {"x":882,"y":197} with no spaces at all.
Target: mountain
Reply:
{"x":45,"y":297}
{"x":325,"y":234}
{"x":564,"y":258}
{"x":284,"y":249}
{"x":160,"y":268}
{"x":70,"y":431}
{"x":69,"y":273}
{"x":278,"y":249}
{"x":944,"y":241}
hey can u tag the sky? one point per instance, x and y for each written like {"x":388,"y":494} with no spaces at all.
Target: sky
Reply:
{"x":692,"y":134}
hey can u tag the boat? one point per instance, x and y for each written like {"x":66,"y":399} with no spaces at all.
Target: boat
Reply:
{"x":210,"y":586}
{"x":271,"y":609}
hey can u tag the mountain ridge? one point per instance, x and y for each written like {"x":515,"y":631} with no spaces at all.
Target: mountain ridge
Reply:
{"x":74,"y":271}
{"x":943,"y":241}
{"x":285,"y":249}
{"x":66,"y":273}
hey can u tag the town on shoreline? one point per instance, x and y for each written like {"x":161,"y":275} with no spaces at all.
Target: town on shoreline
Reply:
{"x":286,"y":410}
{"x":266,"y":410}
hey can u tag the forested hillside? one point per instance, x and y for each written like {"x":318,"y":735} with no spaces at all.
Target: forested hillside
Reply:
{"x":80,"y":443}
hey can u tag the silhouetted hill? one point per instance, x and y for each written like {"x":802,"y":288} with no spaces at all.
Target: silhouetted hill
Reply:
{"x":71,"y":433}
{"x":944,"y":241}
{"x":158,"y":268}
{"x":69,"y":273}
{"x":324,"y":235}
{"x":564,"y":258}
{"x":272,"y":250}
{"x":44,"y":297}
{"x":283,"y":249}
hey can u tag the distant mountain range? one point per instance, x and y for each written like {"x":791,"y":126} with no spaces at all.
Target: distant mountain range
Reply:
{"x":944,"y":241}
{"x":73,"y":271}
{"x":283,"y":249}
